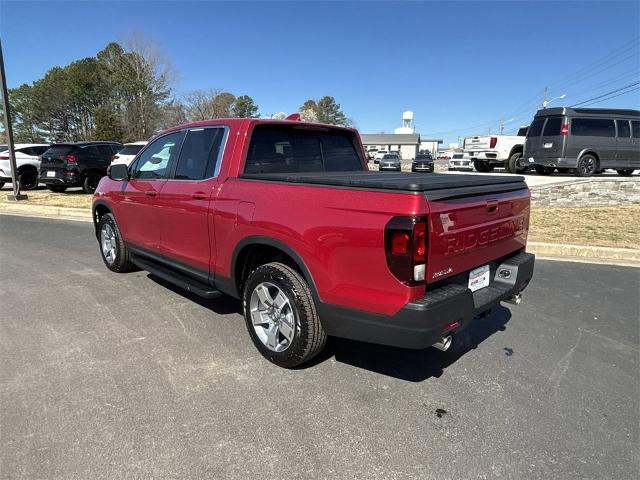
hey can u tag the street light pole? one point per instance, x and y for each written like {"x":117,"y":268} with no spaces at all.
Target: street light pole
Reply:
{"x":9,"y":132}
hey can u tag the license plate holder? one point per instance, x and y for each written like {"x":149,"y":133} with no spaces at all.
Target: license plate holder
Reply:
{"x":51,"y":173}
{"x":479,"y":278}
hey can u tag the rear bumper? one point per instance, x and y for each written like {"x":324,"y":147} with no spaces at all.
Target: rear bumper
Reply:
{"x":66,"y":182}
{"x":422,"y":323}
{"x":489,"y":155}
{"x":422,"y":169}
{"x":468,"y":168}
{"x":552,"y":161}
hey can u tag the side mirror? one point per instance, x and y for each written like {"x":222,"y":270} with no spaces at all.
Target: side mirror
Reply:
{"x":119,"y":172}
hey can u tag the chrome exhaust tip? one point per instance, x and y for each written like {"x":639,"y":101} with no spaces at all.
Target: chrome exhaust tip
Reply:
{"x":444,"y":343}
{"x":515,"y":300}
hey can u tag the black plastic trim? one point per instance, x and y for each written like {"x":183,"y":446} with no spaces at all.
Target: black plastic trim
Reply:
{"x":163,"y":261}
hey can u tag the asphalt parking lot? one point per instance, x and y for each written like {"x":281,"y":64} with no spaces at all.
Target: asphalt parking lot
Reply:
{"x":122,"y":376}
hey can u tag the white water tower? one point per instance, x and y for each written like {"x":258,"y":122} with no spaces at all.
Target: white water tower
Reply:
{"x":407,"y":123}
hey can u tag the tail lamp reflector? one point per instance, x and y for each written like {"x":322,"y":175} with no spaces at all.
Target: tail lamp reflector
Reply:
{"x":406,"y":248}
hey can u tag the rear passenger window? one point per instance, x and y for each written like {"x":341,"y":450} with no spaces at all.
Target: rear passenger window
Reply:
{"x":623,"y":128}
{"x":635,"y":128}
{"x":199,"y":154}
{"x":553,"y":126}
{"x":339,"y":154}
{"x":105,"y":150}
{"x":536,"y":127}
{"x":592,"y":127}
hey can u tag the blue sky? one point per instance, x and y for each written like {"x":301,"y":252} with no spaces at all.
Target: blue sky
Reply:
{"x":460,"y":66}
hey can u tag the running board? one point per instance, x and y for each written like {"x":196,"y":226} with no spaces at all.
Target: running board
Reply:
{"x":187,"y":283}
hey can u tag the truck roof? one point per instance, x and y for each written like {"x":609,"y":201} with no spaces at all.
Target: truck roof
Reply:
{"x":240,"y":122}
{"x":626,"y":112}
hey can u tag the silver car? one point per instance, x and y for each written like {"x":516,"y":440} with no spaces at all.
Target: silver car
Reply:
{"x":391,"y":161}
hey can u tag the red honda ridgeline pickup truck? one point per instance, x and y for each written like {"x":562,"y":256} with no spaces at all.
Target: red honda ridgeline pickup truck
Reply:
{"x":286,"y":216}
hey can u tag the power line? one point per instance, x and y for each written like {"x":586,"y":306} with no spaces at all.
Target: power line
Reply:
{"x":613,"y":96}
{"x":605,"y":94}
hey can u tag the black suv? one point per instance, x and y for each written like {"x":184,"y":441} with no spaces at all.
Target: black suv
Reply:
{"x":422,"y":163}
{"x":76,"y":164}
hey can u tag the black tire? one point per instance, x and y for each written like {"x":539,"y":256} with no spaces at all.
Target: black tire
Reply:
{"x":28,"y":179}
{"x":587,"y":166}
{"x":482,"y":166}
{"x":625,"y":172}
{"x":56,"y":188}
{"x":121,"y":262}
{"x":542,"y":170}
{"x":514,"y":165}
{"x":91,"y":183}
{"x":564,"y":170}
{"x":309,"y":338}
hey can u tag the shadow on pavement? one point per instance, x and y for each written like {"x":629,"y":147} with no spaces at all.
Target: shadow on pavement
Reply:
{"x":414,"y":365}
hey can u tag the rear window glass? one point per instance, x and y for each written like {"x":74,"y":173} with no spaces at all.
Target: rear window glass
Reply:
{"x":423,"y":157}
{"x":635,"y":128}
{"x":623,"y":128}
{"x":457,"y":155}
{"x":105,"y":150}
{"x":283,"y":149}
{"x":592,"y":127}
{"x":522,"y":131}
{"x":552,"y":127}
{"x":199,"y":153}
{"x":536,"y":127}
{"x":131,"y":149}
{"x":59,"y":150}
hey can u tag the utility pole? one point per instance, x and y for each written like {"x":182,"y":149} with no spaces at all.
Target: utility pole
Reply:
{"x":501,"y":126}
{"x":9,"y":132}
{"x":544,"y":97}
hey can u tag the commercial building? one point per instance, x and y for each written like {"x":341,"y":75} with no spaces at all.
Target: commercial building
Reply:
{"x":403,"y":140}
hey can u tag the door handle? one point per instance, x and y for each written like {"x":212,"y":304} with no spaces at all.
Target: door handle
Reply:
{"x":199,"y":196}
{"x":150,"y":193}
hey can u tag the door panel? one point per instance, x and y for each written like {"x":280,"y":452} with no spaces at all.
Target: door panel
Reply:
{"x":139,"y":212}
{"x":624,"y":144}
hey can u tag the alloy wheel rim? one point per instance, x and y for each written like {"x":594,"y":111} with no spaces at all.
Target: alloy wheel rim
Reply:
{"x":272,"y":317}
{"x":108,"y":243}
{"x":588,"y":165}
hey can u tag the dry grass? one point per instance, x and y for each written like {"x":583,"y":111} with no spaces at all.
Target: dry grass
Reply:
{"x":606,"y":226}
{"x":71,"y":198}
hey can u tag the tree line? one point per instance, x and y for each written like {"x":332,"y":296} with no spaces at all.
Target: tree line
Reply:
{"x":127,"y":93}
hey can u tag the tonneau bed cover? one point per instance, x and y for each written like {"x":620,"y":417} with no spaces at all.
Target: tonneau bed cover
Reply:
{"x":434,"y":186}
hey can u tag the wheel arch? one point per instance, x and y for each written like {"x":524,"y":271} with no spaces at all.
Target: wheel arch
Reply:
{"x":516,"y":149}
{"x":98,"y":210}
{"x":257,"y":250}
{"x":589,"y":151}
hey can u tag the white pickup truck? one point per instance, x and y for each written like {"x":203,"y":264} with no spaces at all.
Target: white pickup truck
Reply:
{"x":497,"y":150}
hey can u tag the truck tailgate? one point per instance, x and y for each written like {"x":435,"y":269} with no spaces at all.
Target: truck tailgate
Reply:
{"x":472,"y":231}
{"x":474,"y":144}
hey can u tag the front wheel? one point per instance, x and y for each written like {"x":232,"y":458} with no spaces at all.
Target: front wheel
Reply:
{"x":112,"y":248}
{"x":515,"y":164}
{"x":482,"y":166}
{"x":542,"y":170}
{"x":625,"y":172}
{"x":91,"y":183}
{"x":587,"y":166}
{"x":281,"y":315}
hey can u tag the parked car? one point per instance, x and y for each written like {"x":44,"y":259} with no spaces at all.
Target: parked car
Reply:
{"x":390,"y":161}
{"x":288,"y":218}
{"x":128,"y":153}
{"x":488,"y":152}
{"x":443,"y":155}
{"x":76,"y":164}
{"x":587,"y":140}
{"x":461,"y":161}
{"x":422,"y":163}
{"x":380,"y":153}
{"x":27,"y":163}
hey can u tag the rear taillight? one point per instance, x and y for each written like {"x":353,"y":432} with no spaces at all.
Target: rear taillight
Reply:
{"x":4,"y":157}
{"x":493,"y":142}
{"x":406,"y":248}
{"x":565,"y":129}
{"x":70,"y":158}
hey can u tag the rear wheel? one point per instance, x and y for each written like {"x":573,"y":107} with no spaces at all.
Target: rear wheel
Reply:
{"x":28,"y":179}
{"x":112,"y":248}
{"x":482,"y":166}
{"x":515,"y":164}
{"x":91,"y":182}
{"x":281,"y":315}
{"x":625,"y":172}
{"x":56,"y":188}
{"x":587,"y":166}
{"x":542,"y":170}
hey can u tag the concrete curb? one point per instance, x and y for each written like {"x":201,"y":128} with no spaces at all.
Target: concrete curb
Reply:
{"x":584,"y":252}
{"x":46,"y":211}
